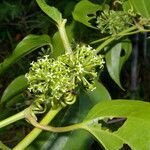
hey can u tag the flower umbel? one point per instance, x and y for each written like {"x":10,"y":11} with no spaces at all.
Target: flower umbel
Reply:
{"x":113,"y":22}
{"x":57,"y":80}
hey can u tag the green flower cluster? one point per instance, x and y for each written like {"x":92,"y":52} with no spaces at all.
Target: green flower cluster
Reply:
{"x":113,"y":22}
{"x":56,"y":80}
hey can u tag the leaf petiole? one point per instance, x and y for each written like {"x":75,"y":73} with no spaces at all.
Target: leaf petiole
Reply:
{"x":33,"y":121}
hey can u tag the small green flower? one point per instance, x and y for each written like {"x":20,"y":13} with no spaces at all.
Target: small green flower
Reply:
{"x":57,"y":80}
{"x":113,"y":22}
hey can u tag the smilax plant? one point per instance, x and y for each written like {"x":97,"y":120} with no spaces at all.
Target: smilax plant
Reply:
{"x":66,"y":80}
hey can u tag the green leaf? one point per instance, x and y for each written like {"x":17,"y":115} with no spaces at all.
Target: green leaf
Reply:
{"x":116,"y":58}
{"x":85,"y":11}
{"x":99,"y":94}
{"x":83,"y":141}
{"x":52,"y":12}
{"x":87,"y":101}
{"x":19,"y":100}
{"x":26,"y":46}
{"x":15,"y":87}
{"x":133,"y":132}
{"x":142,"y":7}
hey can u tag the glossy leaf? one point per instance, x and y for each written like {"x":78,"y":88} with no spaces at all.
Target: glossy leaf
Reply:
{"x":115,"y":59}
{"x":19,"y":100}
{"x":133,"y":132}
{"x":26,"y":46}
{"x":52,"y":12}
{"x":87,"y":101}
{"x":15,"y":87}
{"x":85,"y":11}
{"x":99,"y":94}
{"x":141,"y":7}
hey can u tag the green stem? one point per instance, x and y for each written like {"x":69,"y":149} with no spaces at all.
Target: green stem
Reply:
{"x":33,"y":121}
{"x":144,"y":30}
{"x":12,"y":119}
{"x":100,"y":40}
{"x":3,"y":146}
{"x":35,"y":132}
{"x":120,"y":35}
{"x":135,"y":32}
{"x":64,"y":37}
